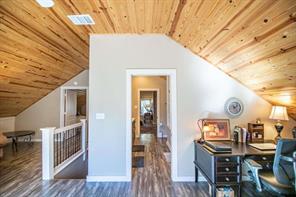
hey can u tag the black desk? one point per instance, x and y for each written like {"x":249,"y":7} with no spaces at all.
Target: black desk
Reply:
{"x":225,"y":169}
{"x":16,"y":134}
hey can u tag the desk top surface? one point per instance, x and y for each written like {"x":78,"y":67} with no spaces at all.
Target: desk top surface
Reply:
{"x":238,"y":149}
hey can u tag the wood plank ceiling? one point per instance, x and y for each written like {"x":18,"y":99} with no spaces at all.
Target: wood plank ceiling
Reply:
{"x":253,"y":41}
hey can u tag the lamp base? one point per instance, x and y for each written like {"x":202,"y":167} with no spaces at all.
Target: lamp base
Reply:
{"x":279,"y":127}
{"x":201,"y":140}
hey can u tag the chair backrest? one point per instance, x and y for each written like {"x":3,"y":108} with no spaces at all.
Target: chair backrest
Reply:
{"x":283,"y":170}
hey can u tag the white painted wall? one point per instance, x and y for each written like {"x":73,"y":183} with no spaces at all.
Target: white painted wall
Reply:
{"x":46,"y":112}
{"x":200,"y":87}
{"x":7,"y":124}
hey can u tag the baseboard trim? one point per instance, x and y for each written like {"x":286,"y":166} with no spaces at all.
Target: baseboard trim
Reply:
{"x":108,"y":179}
{"x":128,"y":179}
{"x":188,"y":179}
{"x":36,"y":140}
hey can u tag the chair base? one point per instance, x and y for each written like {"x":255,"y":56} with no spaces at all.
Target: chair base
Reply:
{"x":269,"y":182}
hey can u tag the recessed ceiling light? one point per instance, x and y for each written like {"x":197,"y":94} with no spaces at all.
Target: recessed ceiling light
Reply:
{"x":82,"y":19}
{"x":45,"y":3}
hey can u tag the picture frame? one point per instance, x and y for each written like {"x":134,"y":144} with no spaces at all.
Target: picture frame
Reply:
{"x":219,"y":129}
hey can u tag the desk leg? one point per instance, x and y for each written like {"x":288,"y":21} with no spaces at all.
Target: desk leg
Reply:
{"x":30,"y":140}
{"x":213,"y":187}
{"x":196,"y":174}
{"x":14,"y":143}
{"x":239,"y":192}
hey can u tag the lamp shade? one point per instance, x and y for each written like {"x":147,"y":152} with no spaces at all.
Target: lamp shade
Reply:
{"x":279,"y":113}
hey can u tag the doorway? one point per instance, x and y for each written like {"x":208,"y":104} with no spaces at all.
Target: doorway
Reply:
{"x":73,"y":105}
{"x":130,"y":120}
{"x":148,"y":111}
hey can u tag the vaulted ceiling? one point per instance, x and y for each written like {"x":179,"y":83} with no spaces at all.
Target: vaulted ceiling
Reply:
{"x":253,"y":41}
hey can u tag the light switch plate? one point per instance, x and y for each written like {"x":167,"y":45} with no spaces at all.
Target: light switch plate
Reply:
{"x":100,"y":116}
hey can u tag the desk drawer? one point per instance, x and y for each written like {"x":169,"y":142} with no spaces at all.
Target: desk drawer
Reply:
{"x":266,"y":161}
{"x":227,"y":169}
{"x":228,"y":159}
{"x":262,"y":157}
{"x":227,"y":179}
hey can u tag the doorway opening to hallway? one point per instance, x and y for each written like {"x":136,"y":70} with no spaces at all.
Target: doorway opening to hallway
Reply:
{"x":151,"y":124}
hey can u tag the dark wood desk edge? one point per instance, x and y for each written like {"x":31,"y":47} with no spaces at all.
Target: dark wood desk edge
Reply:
{"x":242,"y":154}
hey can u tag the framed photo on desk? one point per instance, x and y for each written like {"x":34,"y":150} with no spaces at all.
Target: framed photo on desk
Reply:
{"x":218,"y":129}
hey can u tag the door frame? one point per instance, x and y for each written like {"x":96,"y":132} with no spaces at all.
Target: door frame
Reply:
{"x":63,"y":97}
{"x":171,"y":73}
{"x":139,"y":108}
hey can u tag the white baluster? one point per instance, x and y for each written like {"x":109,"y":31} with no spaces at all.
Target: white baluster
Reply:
{"x":47,"y":153}
{"x":83,"y":138}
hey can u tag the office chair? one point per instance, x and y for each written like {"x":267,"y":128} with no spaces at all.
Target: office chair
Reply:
{"x":282,"y":178}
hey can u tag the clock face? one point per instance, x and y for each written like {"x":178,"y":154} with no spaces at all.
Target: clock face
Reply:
{"x":233,"y":107}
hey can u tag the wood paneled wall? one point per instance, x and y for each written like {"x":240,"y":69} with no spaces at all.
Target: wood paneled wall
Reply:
{"x":253,"y":41}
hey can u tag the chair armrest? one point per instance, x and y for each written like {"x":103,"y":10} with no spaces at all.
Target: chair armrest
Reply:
{"x":286,"y":158}
{"x":255,"y":167}
{"x":292,"y":160}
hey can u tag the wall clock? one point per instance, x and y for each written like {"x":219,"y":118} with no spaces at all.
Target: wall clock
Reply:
{"x":234,"y":107}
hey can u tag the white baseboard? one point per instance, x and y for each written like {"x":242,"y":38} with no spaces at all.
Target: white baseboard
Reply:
{"x":36,"y":140}
{"x":188,"y":179}
{"x":108,"y":179}
{"x":128,"y":179}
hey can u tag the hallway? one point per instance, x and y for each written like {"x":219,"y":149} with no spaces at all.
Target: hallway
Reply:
{"x":155,"y":177}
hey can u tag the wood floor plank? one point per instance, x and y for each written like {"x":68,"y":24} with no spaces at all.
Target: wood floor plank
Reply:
{"x":20,"y":175}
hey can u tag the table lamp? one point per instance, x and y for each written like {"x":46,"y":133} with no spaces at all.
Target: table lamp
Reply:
{"x":204,"y":128}
{"x":278,"y":113}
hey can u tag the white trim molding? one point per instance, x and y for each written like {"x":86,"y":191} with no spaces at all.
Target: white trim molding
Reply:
{"x":36,"y":140}
{"x":171,"y":73}
{"x":190,"y":179}
{"x":107,"y":179}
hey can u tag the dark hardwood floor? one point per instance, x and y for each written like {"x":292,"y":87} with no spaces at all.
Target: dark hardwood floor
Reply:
{"x":20,"y":175}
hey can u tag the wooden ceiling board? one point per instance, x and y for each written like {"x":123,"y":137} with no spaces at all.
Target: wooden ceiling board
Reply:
{"x":253,"y":41}
{"x":43,"y":29}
